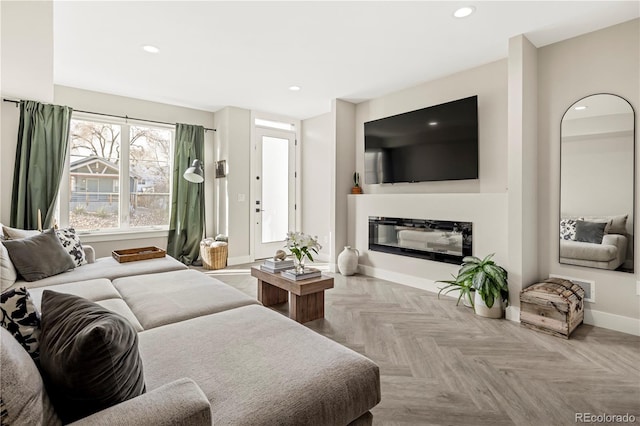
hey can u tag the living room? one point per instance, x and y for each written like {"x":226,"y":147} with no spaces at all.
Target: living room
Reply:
{"x":514,"y":204}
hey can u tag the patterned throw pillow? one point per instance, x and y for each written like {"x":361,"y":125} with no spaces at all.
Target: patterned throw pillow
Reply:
{"x":72,"y":245}
{"x":20,"y":317}
{"x":568,"y":229}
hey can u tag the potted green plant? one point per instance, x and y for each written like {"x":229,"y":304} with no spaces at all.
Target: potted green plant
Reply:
{"x":461,"y":284}
{"x":356,"y":184}
{"x":489,"y":281}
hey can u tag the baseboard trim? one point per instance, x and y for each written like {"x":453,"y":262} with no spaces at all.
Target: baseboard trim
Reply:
{"x":399,"y":278}
{"x":612,"y":321}
{"x":239,"y":260}
{"x":512,"y":313}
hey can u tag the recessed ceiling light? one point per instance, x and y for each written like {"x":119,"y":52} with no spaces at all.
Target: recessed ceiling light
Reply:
{"x":463,"y":12}
{"x":433,"y":123}
{"x":151,"y":49}
{"x":294,"y":88}
{"x":580,"y":108}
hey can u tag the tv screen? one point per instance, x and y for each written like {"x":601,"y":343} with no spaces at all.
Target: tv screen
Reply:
{"x":430,"y":144}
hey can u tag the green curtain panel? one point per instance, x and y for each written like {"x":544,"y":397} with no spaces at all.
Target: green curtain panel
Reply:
{"x":43,"y":138}
{"x":187,"y":200}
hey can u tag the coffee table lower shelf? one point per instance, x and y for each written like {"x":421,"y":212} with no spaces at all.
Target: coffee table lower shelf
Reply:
{"x":307,"y":296}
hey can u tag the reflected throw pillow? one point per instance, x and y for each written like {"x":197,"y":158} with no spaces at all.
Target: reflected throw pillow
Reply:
{"x":39,"y":256}
{"x":88,"y":355}
{"x":568,"y":229}
{"x":590,"y":232}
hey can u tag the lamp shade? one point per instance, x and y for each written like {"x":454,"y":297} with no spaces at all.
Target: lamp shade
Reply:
{"x":194,"y":173}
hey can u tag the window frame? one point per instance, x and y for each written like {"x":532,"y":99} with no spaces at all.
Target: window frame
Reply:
{"x":124,"y":193}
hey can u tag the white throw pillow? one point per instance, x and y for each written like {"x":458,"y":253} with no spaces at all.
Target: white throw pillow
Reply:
{"x":8,"y":274}
{"x":71,"y":243}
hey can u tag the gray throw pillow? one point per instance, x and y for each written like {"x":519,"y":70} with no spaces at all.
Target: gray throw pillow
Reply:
{"x":39,"y":256}
{"x":88,"y":355}
{"x":590,"y":232}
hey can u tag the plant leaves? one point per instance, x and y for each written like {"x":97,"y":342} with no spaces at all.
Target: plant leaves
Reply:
{"x":470,"y":259}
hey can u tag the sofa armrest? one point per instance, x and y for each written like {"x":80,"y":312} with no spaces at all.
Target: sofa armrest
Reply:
{"x":177,"y":403}
{"x":89,"y":254}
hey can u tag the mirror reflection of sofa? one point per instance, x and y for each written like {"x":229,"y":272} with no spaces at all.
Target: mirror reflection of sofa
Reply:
{"x":594,"y":241}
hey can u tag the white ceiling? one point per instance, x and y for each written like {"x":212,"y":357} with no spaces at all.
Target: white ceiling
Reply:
{"x":247,"y":54}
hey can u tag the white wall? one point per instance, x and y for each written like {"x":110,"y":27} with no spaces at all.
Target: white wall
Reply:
{"x":489,"y":82}
{"x":523,"y":168}
{"x":233,"y":143}
{"x":315,"y":149}
{"x":605,"y":61}
{"x":344,"y":151}
{"x":487,"y":212}
{"x":26,"y":72}
{"x":482,"y":202}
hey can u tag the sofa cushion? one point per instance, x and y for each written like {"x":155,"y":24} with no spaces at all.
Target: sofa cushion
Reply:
{"x":93,"y":290}
{"x":88,"y":354}
{"x":24,"y":398}
{"x":121,"y":308}
{"x":71,"y":243}
{"x":265,"y":369}
{"x":8,"y":273}
{"x":39,"y":256}
{"x":159,"y":299}
{"x":21,"y":318}
{"x":590,"y":232}
{"x":109,"y":268}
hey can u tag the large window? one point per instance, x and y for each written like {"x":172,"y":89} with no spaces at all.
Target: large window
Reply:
{"x":119,"y":176}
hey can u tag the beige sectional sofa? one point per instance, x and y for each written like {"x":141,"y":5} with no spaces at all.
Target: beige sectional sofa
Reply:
{"x":213,"y":355}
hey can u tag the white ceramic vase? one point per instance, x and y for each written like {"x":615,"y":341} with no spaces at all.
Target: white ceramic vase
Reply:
{"x":348,"y":261}
{"x":481,"y":308}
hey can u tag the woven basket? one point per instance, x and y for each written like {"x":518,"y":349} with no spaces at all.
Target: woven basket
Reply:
{"x":214,"y":257}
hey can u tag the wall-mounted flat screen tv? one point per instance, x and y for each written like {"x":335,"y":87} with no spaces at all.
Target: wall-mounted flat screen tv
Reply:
{"x":430,"y":144}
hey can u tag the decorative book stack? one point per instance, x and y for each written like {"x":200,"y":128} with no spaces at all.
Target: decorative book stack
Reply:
{"x":307,"y":274}
{"x":276,"y":266}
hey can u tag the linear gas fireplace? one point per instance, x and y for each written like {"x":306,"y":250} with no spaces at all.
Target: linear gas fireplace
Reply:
{"x":439,"y":240}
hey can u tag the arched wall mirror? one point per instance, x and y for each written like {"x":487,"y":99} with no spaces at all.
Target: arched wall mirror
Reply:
{"x":597,"y":170}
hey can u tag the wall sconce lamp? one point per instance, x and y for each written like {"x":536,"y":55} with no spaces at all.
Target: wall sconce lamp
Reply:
{"x":194,"y":173}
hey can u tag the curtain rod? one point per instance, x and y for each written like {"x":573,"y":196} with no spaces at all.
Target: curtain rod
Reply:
{"x":116,"y":116}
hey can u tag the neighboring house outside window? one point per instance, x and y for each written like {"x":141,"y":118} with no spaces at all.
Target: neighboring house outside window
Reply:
{"x":103,"y":155}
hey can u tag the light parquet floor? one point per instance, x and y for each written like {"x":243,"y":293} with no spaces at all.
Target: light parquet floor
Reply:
{"x":443,"y":365}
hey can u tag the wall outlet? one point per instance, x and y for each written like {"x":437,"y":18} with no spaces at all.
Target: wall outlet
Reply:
{"x":241,"y":198}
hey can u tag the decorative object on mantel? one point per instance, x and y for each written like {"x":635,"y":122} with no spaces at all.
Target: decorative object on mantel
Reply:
{"x":301,"y":246}
{"x":348,"y":261}
{"x":356,"y":184}
{"x":555,"y":306}
{"x":489,"y":282}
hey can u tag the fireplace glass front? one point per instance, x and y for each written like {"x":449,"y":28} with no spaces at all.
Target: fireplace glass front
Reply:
{"x":439,"y":240}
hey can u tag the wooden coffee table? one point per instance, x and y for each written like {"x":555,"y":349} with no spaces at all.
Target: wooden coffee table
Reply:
{"x":307,"y":296}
